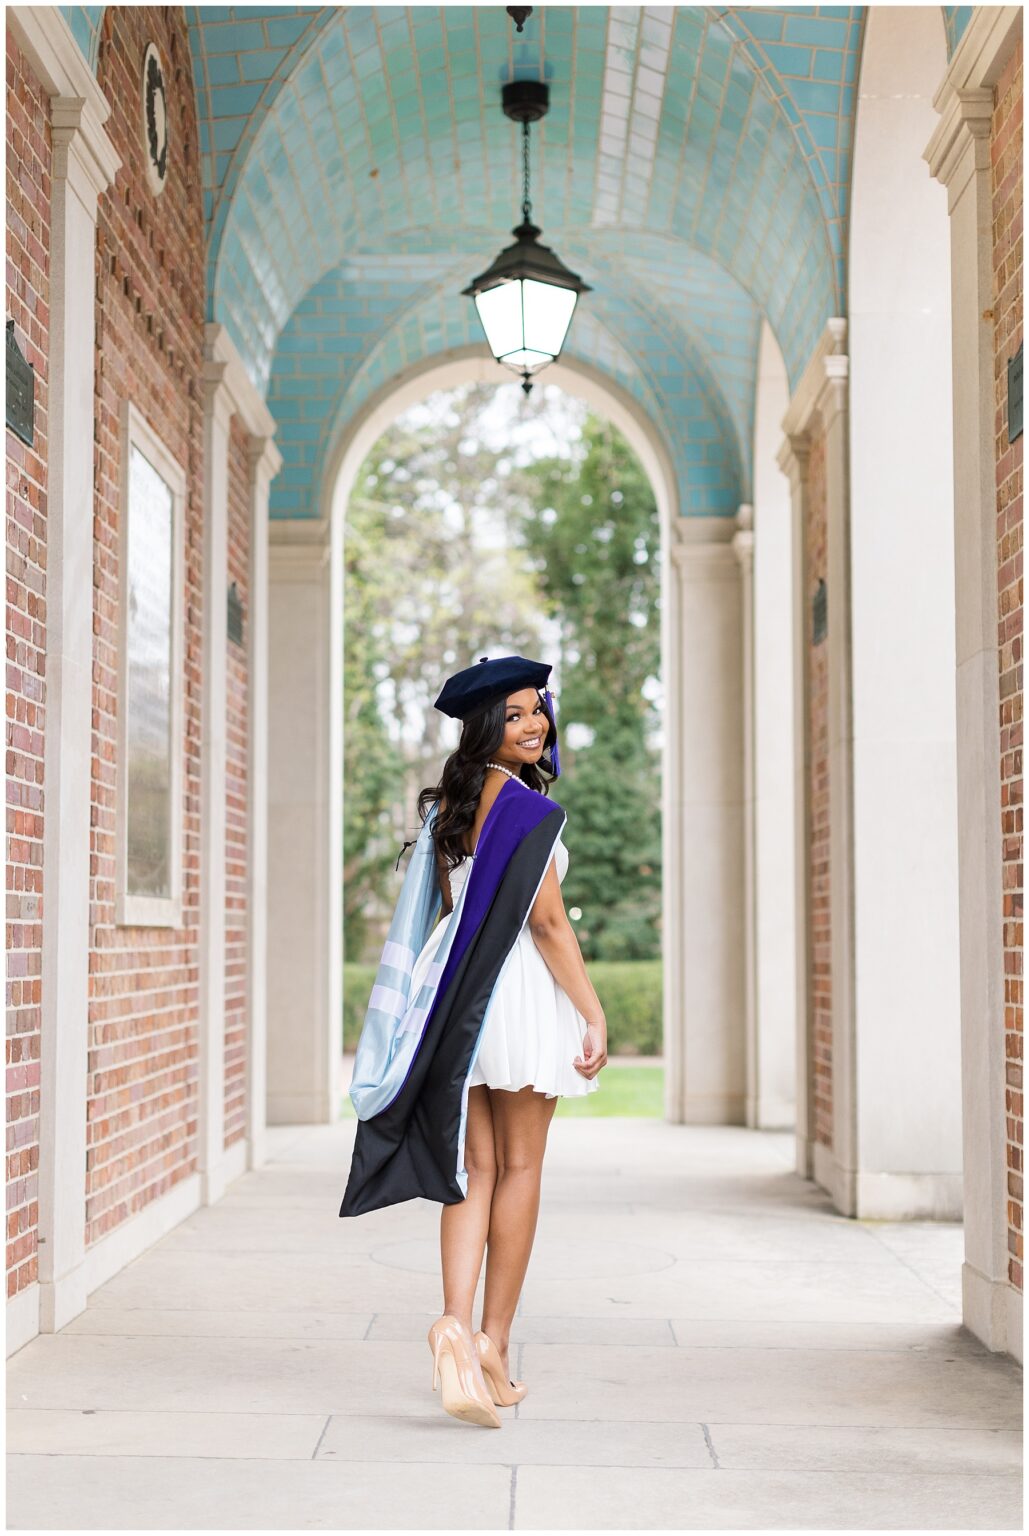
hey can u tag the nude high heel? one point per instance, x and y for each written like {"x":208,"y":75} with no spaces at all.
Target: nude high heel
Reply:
{"x":502,"y":1389}
{"x":454,"y":1365}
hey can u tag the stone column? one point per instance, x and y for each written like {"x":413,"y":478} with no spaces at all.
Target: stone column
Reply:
{"x":743,"y":548}
{"x":773,"y":1105}
{"x":84,"y":166}
{"x":793,"y":460}
{"x":265,"y":462}
{"x":705,"y":1016}
{"x":817,"y":412}
{"x":907,"y":1100}
{"x":959,"y":156}
{"x":211,"y":1118}
{"x":305,"y":705}
{"x":841,"y":1175}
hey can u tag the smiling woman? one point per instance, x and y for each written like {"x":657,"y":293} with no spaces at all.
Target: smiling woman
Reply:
{"x":477,"y":1026}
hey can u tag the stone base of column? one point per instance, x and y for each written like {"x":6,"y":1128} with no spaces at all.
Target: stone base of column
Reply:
{"x":888,"y":1196}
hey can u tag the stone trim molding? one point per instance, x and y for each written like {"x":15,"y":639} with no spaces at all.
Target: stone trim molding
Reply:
{"x":80,"y":106}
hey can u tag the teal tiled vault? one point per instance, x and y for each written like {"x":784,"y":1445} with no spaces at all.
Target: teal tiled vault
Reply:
{"x":695,"y":167}
{"x":357,"y":329}
{"x":956,"y":19}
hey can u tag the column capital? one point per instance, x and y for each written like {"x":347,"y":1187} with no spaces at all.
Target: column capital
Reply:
{"x":822,"y":386}
{"x":218,"y":401}
{"x":264,"y":457}
{"x":83,"y":154}
{"x":247,"y":404}
{"x":298,"y":548}
{"x":743,"y":538}
{"x":703,"y":545}
{"x":831,"y":399}
{"x":960,"y":144}
{"x":792,"y":458}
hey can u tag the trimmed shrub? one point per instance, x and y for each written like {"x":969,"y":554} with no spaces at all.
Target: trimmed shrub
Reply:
{"x":629,"y":992}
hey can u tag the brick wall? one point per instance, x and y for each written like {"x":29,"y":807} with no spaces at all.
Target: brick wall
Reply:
{"x":236,"y":797}
{"x":1006,"y":162}
{"x":28,"y":299}
{"x":142,"y":1088}
{"x":819,"y":920}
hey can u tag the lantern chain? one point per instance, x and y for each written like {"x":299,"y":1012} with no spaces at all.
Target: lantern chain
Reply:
{"x":526,"y":203}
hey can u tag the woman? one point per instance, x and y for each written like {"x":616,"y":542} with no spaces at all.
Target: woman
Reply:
{"x":476,"y":1026}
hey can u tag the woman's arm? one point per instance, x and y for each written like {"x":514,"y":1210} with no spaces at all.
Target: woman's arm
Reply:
{"x":556,"y":941}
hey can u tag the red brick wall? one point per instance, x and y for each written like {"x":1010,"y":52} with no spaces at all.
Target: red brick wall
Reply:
{"x":28,"y":300}
{"x":1006,"y":161}
{"x":236,"y":798}
{"x":819,"y":920}
{"x":142,"y":1088}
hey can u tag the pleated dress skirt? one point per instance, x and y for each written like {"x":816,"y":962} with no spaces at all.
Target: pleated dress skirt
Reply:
{"x":532,"y":1029}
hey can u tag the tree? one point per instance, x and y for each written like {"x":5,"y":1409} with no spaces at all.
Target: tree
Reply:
{"x":432,"y":580}
{"x":595,"y":543}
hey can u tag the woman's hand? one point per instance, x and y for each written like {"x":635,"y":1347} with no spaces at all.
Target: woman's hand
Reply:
{"x":594,"y":1050}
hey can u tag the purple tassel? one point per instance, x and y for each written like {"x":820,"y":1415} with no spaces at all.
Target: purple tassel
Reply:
{"x":555,"y":761}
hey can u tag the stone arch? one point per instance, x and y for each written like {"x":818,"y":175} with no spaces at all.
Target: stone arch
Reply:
{"x":700,"y":636}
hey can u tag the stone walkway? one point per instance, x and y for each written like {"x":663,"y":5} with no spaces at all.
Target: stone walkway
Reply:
{"x":706,"y":1345}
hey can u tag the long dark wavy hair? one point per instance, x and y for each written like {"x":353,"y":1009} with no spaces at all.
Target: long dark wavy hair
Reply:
{"x":464,"y":774}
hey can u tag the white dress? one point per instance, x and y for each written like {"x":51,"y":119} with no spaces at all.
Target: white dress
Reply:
{"x":532,"y":1029}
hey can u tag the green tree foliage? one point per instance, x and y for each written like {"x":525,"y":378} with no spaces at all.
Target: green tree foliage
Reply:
{"x":459,"y":542}
{"x":431,"y":581}
{"x":595,"y":542}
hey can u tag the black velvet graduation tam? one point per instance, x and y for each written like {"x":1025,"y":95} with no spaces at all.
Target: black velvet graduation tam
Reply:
{"x":467,"y":692}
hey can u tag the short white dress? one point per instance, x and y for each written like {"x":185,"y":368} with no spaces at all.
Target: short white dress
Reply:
{"x":532,"y":1030}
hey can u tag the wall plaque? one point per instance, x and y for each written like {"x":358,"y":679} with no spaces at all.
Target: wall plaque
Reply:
{"x":819,"y":613}
{"x":155,"y":119}
{"x":235,"y":615}
{"x":1015,"y":395}
{"x":21,"y":389}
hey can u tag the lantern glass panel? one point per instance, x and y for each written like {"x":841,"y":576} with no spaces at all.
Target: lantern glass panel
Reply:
{"x":548,"y":312}
{"x":500,"y":310}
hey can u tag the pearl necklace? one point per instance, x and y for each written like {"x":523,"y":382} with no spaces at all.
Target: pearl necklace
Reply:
{"x":517,"y":778}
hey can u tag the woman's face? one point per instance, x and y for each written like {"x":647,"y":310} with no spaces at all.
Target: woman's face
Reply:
{"x":525,"y":729}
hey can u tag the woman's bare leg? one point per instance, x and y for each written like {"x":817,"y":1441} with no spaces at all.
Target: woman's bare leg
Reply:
{"x":464,"y":1225}
{"x":520,"y":1124}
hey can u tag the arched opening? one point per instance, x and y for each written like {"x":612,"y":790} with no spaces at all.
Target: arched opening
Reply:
{"x":702,"y":844}
{"x":469,"y":366}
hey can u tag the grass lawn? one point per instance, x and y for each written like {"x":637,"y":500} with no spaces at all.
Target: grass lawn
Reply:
{"x":622,"y":1091}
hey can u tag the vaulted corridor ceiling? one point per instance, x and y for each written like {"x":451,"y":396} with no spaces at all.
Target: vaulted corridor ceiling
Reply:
{"x":694,"y":167}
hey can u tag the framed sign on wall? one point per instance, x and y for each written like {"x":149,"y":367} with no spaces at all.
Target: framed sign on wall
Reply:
{"x":150,"y":680}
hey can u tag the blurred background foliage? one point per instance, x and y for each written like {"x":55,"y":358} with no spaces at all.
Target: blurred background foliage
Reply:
{"x":484,"y":523}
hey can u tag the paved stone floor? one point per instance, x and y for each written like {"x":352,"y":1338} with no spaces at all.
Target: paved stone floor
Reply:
{"x":707,"y":1345}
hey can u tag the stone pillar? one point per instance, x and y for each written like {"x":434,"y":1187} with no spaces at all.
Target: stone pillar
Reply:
{"x":958,"y":154}
{"x":84,"y":166}
{"x":793,"y":460}
{"x":230,"y":392}
{"x":305,"y":706}
{"x":265,"y":462}
{"x":906,"y":1102}
{"x":705,"y":1015}
{"x":211,"y":1117}
{"x":743,"y":548}
{"x":773,"y":1104}
{"x":841,"y":1174}
{"x":818,"y":412}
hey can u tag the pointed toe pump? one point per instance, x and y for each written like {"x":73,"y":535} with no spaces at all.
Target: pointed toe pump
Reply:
{"x":502,"y":1390}
{"x":454,"y":1371}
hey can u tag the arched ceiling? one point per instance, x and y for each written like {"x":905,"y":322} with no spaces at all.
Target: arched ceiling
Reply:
{"x":357,"y":170}
{"x":388,"y":131}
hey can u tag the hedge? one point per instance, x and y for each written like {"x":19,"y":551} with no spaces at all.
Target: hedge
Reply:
{"x":629,"y":991}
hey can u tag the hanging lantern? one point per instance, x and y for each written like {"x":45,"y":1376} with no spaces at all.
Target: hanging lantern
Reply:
{"x":526,"y":298}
